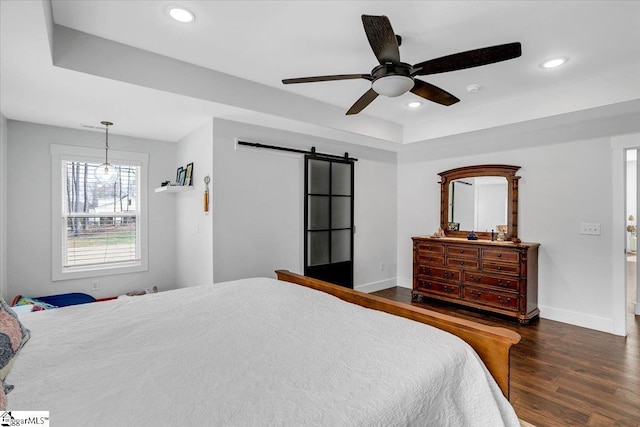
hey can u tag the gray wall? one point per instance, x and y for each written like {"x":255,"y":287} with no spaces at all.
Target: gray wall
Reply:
{"x":258,"y":205}
{"x":29,"y":212}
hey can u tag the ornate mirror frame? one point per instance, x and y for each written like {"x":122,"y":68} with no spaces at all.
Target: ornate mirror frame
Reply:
{"x":507,"y":171}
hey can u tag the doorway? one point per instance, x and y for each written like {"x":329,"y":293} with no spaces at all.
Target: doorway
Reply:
{"x":631,"y":241}
{"x":328,"y":212}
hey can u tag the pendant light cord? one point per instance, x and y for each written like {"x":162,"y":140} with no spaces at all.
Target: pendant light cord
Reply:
{"x":106,"y":147}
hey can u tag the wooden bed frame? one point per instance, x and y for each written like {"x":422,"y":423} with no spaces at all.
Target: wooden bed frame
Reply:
{"x":492,"y":344}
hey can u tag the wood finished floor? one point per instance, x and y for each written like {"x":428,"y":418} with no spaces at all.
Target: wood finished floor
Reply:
{"x":564,"y":375}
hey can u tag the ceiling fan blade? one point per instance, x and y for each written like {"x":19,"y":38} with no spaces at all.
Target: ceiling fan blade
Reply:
{"x":362,"y":103}
{"x":327,"y":78}
{"x":468,"y":59}
{"x":381,"y":38}
{"x":433,"y":93}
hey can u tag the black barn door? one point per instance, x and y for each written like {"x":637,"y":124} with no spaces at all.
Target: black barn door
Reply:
{"x":328,"y":211}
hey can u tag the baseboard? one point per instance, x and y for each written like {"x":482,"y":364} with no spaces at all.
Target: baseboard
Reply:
{"x":602,"y":324}
{"x":376,"y":286}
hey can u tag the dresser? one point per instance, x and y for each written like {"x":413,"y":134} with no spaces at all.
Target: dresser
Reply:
{"x":498,"y":277}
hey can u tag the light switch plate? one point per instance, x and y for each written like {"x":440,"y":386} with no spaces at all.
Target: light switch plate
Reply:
{"x":589,"y":228}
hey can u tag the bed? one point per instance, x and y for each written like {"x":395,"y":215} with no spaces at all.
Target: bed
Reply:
{"x":255,"y":352}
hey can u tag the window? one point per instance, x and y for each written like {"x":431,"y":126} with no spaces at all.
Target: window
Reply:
{"x":98,"y":229}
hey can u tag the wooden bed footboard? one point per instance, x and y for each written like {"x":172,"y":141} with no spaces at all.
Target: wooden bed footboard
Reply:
{"x":492,"y":344}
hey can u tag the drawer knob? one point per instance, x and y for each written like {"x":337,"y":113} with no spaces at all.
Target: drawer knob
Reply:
{"x":499,"y":268}
{"x":461,"y":262}
{"x":499,"y":255}
{"x":504,"y":300}
{"x":461,"y":251}
{"x":505,"y":283}
{"x":475,"y":294}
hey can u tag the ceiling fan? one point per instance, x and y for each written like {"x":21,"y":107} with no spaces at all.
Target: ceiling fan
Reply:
{"x":394,"y":78}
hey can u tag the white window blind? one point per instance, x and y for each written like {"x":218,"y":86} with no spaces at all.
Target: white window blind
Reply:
{"x":100,"y":219}
{"x":98,"y":229}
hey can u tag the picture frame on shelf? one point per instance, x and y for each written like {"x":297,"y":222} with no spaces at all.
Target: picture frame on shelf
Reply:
{"x":178,"y":173}
{"x":181,"y":177}
{"x":188,"y":179}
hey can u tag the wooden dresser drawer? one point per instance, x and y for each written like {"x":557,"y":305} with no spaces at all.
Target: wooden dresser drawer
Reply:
{"x":463,"y":251}
{"x":501,"y":282}
{"x":431,"y":286}
{"x":501,"y":255}
{"x":431,"y":248}
{"x":494,"y":299}
{"x":468,"y":263}
{"x":430,"y":259}
{"x":439,"y":273}
{"x":490,"y":276}
{"x":490,"y":267}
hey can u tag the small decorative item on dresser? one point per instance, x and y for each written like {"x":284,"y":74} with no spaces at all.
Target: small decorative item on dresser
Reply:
{"x":502,"y":232}
{"x":453,"y":226}
{"x":439,"y":233}
{"x":472,"y":236}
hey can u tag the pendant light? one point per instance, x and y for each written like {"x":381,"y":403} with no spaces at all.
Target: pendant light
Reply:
{"x":106,"y":173}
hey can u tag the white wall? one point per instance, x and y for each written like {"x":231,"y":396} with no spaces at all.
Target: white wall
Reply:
{"x":194,"y":227}
{"x":3,"y":207}
{"x":562,"y":186}
{"x":29,"y":212}
{"x":258,"y":205}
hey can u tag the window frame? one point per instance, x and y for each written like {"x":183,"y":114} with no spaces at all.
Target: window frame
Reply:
{"x":63,"y":153}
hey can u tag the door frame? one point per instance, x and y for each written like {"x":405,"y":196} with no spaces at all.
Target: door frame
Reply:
{"x":619,"y":145}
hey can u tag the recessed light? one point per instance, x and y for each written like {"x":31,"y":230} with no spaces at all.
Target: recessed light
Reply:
{"x":414,"y":104}
{"x":555,"y":62}
{"x":181,"y":15}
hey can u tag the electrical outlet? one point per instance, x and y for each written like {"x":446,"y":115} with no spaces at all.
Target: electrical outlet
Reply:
{"x":592,"y":229}
{"x":94,"y":285}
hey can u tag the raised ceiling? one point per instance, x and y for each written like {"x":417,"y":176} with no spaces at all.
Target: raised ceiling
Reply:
{"x":74,"y":63}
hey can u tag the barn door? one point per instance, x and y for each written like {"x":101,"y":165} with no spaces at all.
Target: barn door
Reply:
{"x":328,"y":215}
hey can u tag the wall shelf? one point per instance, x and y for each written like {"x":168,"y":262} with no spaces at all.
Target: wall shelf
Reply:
{"x":174,"y":188}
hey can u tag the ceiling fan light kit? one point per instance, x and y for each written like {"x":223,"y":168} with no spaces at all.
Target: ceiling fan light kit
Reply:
{"x":393,"y":78}
{"x":392,"y":85}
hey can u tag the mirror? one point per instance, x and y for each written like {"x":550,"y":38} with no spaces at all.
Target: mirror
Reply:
{"x":480,"y":198}
{"x":478,"y":203}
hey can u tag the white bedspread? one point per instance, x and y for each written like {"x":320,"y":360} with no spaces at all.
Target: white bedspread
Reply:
{"x":248,"y":353}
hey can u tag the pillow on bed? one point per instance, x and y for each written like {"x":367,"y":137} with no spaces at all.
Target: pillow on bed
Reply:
{"x":13,"y":335}
{"x":41,"y":305}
